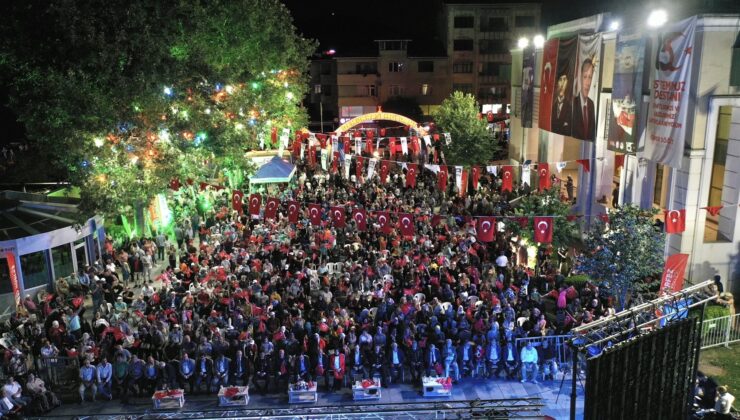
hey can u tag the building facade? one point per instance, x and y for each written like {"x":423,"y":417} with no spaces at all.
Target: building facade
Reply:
{"x":709,"y":173}
{"x":478,"y":37}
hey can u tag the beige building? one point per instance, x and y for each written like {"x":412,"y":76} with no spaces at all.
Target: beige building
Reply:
{"x":478,"y":37}
{"x":710,"y":170}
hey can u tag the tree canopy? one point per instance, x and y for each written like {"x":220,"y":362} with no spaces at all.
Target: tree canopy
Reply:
{"x":565,"y":232}
{"x":471,"y":141}
{"x":127,"y":95}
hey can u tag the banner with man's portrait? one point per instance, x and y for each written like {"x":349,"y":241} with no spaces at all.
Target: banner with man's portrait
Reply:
{"x":527,"y":100}
{"x":586,"y":87}
{"x":629,"y":61}
{"x":561,"y":121}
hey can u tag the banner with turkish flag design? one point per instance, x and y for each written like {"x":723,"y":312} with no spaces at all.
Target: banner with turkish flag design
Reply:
{"x":406,"y":222}
{"x":359,"y":166}
{"x":411,"y":169}
{"x":312,"y":156}
{"x":293,"y":211}
{"x":273,"y":135}
{"x":475,"y":171}
{"x":335,"y":163}
{"x":507,"y":178}
{"x":675,"y":221}
{"x":463,"y":182}
{"x":543,"y":229}
{"x":360,"y":218}
{"x":314,"y":214}
{"x":271,"y":208}
{"x":369,"y":146}
{"x":236,"y":200}
{"x":543,"y":169}
{"x":255,"y":201}
{"x":442,"y":178}
{"x":385,"y":222}
{"x":337,"y":216}
{"x":486,"y":229}
{"x":384,"y":169}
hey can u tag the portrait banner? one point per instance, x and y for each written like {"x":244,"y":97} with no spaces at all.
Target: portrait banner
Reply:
{"x":527,"y":100}
{"x":670,"y":99}
{"x":561,"y":119}
{"x":629,"y":61}
{"x":585,"y":88}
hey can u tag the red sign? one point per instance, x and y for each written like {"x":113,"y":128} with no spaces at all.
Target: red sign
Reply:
{"x":675,"y":267}
{"x":10,"y":256}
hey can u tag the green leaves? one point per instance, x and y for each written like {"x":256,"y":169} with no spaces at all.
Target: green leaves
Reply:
{"x":471,"y":142}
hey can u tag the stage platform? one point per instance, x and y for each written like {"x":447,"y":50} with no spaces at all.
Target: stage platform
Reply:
{"x":206,"y":406}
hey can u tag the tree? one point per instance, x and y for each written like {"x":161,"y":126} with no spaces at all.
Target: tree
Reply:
{"x":405,"y":106}
{"x":134,"y":93}
{"x":471,"y":142}
{"x":565,"y":233}
{"x":623,"y":251}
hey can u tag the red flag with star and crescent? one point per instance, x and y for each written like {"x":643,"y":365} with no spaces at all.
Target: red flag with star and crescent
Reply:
{"x":675,"y":221}
{"x":384,"y":222}
{"x":475,"y":171}
{"x":713,"y":210}
{"x":442,"y":178}
{"x":543,"y":229}
{"x":384,"y":169}
{"x":507,"y":176}
{"x":335,"y":163}
{"x":271,"y":208}
{"x":337,"y":216}
{"x":411,"y":169}
{"x":543,"y":169}
{"x":255,"y":201}
{"x":360,"y":218}
{"x":406,"y":223}
{"x":314,"y":214}
{"x":236,"y":201}
{"x":359,"y":164}
{"x":293,"y":211}
{"x":486,"y":229}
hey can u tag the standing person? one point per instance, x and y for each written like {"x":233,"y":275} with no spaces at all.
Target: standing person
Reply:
{"x":146,"y":265}
{"x":161,"y":241}
{"x":569,"y":187}
{"x":529,"y":361}
{"x":88,"y":375}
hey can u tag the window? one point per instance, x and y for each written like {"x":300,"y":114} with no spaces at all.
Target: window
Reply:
{"x":392,"y":45}
{"x":493,"y":24}
{"x":489,"y":68}
{"x":426,"y":66}
{"x":5,"y":285}
{"x":35,"y":270}
{"x":462,"y":67}
{"x":317,"y":88}
{"x":714,"y":231}
{"x":366,"y":68}
{"x":524,"y":21}
{"x":464,"y":21}
{"x":366,"y":90}
{"x":462,"y":87}
{"x":397,"y":90}
{"x":351,"y":111}
{"x":61,"y":257}
{"x":492,"y":46}
{"x":395,"y":67}
{"x":425,"y":89}
{"x":462,"y":45}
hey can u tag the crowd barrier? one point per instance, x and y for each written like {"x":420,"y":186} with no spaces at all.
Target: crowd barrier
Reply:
{"x":563,"y":352}
{"x":720,"y":331}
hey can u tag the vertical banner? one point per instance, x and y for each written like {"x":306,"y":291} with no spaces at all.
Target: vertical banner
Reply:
{"x":669,"y":102}
{"x":10,"y":256}
{"x":371,"y":167}
{"x":673,"y":272}
{"x":547,"y":82}
{"x":562,"y":100}
{"x":527,"y":100}
{"x":586,"y":87}
{"x":527,"y":174}
{"x":629,"y":61}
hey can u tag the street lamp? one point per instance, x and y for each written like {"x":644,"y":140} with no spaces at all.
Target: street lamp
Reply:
{"x":523,"y":43}
{"x":615,"y":25}
{"x":539,"y":41}
{"x":657,"y":18}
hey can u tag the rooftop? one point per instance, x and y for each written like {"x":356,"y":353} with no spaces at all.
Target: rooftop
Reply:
{"x":26,"y":214}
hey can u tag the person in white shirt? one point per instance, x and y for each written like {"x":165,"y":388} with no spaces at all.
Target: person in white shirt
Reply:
{"x":529,"y":359}
{"x":724,"y":400}
{"x":12,"y":390}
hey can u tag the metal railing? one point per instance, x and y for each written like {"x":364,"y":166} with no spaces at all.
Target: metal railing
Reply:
{"x":59,"y":372}
{"x":559,"y":343}
{"x":720,"y":331}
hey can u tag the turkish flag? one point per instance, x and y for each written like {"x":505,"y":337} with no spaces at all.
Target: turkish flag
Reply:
{"x":337,"y":216}
{"x":359,"y":166}
{"x":370,"y":134}
{"x":392,"y":146}
{"x":523,"y":221}
{"x":585,"y":163}
{"x":236,"y":200}
{"x":442,"y":178}
{"x":335,"y":162}
{"x":406,"y":222}
{"x":544,"y":171}
{"x":384,"y":222}
{"x":543,"y":229}
{"x":273,"y":135}
{"x":486,"y":229}
{"x":463,"y":183}
{"x":713,"y":210}
{"x":174,"y":184}
{"x":293,"y":210}
{"x":360,"y":217}
{"x":297,"y":146}
{"x":382,"y":132}
{"x":271,"y":208}
{"x":369,"y":146}
{"x":415,"y":148}
{"x":346,"y":145}
{"x":411,"y":169}
{"x":255,"y":201}
{"x":322,"y":140}
{"x":314,"y":214}
{"x":476,"y":176}
{"x":507,"y":176}
{"x":435,"y":137}
{"x":312,"y":156}
{"x":675,"y":221}
{"x":384,"y":169}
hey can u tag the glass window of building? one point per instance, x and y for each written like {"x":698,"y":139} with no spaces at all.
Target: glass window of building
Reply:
{"x":35,"y":270}
{"x":395,"y":66}
{"x":493,"y":24}
{"x":464,"y":21}
{"x":713,"y":232}
{"x":5,"y":285}
{"x":426,"y":66}
{"x":61,"y":257}
{"x":462,"y":45}
{"x":524,"y":21}
{"x":366,"y":67}
{"x":462,"y":67}
{"x":397,"y":90}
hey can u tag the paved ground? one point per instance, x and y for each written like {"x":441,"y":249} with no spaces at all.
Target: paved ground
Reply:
{"x":468,"y":390}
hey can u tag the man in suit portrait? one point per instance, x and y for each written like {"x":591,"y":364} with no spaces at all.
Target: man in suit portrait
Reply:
{"x":561,"y":106}
{"x":584,"y":119}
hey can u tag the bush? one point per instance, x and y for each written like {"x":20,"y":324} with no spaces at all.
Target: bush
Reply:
{"x":578,"y":281}
{"x":716,"y":311}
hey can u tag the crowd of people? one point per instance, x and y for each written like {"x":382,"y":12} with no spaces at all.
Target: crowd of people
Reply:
{"x":243,"y":300}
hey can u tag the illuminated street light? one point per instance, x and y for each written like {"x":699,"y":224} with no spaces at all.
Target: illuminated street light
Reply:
{"x":539,"y":41}
{"x":657,"y":18}
{"x":615,"y":25}
{"x":523,"y":43}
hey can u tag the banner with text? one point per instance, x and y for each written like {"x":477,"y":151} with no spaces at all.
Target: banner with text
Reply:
{"x":629,"y":61}
{"x":13,"y":271}
{"x":673,"y":272}
{"x":669,"y":102}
